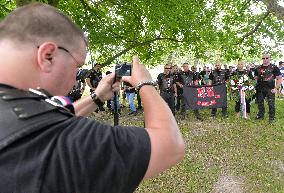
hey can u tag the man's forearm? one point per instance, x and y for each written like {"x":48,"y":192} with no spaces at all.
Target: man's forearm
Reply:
{"x":278,"y":82}
{"x":157,"y":113}
{"x":84,"y":106}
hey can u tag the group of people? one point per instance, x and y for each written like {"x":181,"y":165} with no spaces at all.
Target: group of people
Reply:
{"x":92,"y":78}
{"x":267,"y":76}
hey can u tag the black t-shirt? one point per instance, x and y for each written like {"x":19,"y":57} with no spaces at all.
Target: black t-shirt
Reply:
{"x":95,"y":77}
{"x":219,"y":76}
{"x":77,"y":155}
{"x":266,"y":76}
{"x":128,"y":87}
{"x":166,"y":82}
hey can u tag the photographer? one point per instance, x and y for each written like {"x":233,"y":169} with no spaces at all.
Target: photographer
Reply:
{"x":79,"y":87}
{"x":43,"y":147}
{"x":95,"y":76}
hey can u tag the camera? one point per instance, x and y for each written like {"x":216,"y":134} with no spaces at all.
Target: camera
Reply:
{"x":123,"y":69}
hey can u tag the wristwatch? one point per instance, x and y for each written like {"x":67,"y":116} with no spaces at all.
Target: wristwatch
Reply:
{"x":97,"y":100}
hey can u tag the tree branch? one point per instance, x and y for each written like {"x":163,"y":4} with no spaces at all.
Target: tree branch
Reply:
{"x":273,"y":7}
{"x":255,"y":29}
{"x":109,"y":60}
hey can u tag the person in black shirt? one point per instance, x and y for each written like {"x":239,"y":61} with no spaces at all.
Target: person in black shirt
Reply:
{"x":187,"y":78}
{"x":219,"y":76}
{"x":79,"y":87}
{"x":44,"y":147}
{"x":266,"y":74}
{"x":130,"y":92}
{"x":94,"y":77}
{"x":240,"y":72}
{"x":167,"y":87}
{"x":93,"y":80}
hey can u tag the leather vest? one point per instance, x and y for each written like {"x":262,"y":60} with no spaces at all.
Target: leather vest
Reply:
{"x":265,"y":75}
{"x":25,"y":112}
{"x":219,"y":76}
{"x":167,"y":83}
{"x":187,"y":78}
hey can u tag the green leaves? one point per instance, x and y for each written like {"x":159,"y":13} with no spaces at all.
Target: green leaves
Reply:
{"x":153,"y":29}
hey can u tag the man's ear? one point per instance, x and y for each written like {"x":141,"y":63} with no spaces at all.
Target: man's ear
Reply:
{"x":45,"y":55}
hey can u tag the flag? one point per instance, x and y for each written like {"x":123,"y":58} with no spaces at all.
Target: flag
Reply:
{"x":205,"y":96}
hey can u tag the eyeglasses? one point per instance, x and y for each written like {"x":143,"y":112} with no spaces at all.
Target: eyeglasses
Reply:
{"x":62,"y":48}
{"x":265,"y":58}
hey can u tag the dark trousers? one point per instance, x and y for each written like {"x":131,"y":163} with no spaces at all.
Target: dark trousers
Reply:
{"x":261,"y":94}
{"x":109,"y":104}
{"x":183,"y":110}
{"x":170,"y":100}
{"x":178,"y":102}
{"x":238,"y":106}
{"x":139,"y":101}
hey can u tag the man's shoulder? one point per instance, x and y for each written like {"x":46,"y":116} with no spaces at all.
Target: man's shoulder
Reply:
{"x":161,"y":75}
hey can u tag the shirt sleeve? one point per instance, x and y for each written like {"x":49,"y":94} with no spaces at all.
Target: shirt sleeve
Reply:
{"x":276,"y":71}
{"x":94,"y":157}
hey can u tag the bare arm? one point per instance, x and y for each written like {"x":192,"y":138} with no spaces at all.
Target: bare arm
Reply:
{"x":278,"y":84}
{"x":167,"y":146}
{"x":278,"y":81}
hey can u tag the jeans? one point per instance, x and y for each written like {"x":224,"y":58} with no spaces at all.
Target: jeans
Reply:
{"x":130,"y":96}
{"x":117,"y":102}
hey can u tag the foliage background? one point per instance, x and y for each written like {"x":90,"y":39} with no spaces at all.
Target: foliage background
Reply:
{"x":201,"y":31}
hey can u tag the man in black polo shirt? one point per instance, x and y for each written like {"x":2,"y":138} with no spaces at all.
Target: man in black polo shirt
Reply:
{"x":187,"y":78}
{"x":266,"y":74}
{"x":167,"y":87}
{"x":45,"y":148}
{"x":219,"y":76}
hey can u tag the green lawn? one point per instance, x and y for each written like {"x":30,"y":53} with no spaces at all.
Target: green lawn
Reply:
{"x":224,"y":155}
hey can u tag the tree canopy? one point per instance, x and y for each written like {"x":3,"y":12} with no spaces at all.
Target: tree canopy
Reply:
{"x":154,"y":29}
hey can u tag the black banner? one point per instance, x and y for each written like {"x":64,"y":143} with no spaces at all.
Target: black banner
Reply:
{"x":205,"y":96}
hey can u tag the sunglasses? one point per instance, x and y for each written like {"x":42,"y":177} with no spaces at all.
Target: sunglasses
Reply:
{"x":265,"y":58}
{"x":168,"y":68}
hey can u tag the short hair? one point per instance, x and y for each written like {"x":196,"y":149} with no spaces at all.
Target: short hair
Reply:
{"x":36,"y":22}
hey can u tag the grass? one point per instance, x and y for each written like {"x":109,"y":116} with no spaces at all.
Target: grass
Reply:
{"x":223,"y":155}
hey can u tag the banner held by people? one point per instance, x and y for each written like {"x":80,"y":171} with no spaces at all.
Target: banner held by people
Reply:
{"x":205,"y":96}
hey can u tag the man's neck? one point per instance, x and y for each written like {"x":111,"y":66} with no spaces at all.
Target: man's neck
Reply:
{"x":265,"y":64}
